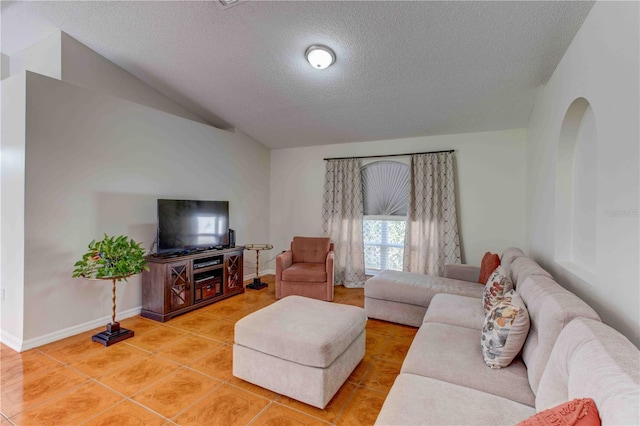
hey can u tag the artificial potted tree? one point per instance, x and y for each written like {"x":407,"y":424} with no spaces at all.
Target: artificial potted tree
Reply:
{"x":114,"y":259}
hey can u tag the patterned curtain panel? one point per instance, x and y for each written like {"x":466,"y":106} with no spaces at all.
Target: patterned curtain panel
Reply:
{"x":432,"y":238}
{"x":342,"y":212}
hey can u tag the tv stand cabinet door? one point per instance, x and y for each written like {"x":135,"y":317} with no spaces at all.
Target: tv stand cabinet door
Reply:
{"x":233,"y":273}
{"x":178,"y":285}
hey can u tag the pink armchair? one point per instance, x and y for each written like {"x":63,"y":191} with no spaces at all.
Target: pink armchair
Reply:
{"x":306,"y":269}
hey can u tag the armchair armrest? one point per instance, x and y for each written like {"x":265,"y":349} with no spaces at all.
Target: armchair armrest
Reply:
{"x":462,"y":272}
{"x":329,"y":265}
{"x":283,"y":261}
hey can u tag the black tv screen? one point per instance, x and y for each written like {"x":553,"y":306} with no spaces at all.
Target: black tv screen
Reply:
{"x":192,"y":224}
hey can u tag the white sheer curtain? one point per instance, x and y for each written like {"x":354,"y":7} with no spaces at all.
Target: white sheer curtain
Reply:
{"x":432,"y":237}
{"x":343,"y":213}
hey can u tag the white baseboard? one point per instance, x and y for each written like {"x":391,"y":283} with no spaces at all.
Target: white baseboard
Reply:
{"x":11,"y":341}
{"x":76,"y":329}
{"x":23,"y":345}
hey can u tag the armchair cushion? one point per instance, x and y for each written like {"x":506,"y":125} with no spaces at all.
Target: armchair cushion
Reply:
{"x":306,"y":272}
{"x":310,"y":249}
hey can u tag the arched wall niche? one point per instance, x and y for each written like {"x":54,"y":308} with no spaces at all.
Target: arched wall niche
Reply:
{"x":577,"y":191}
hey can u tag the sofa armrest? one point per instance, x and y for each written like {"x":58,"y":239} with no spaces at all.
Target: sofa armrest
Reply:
{"x":462,"y":272}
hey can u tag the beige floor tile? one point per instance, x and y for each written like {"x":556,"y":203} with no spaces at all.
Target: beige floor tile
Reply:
{"x":70,"y":408}
{"x":380,"y":327}
{"x":279,"y":415}
{"x":139,"y":324}
{"x":192,"y":322}
{"x":176,"y":392}
{"x":381,"y":375}
{"x":361,"y":369}
{"x":139,"y":374}
{"x":6,"y":353}
{"x":362,"y":408}
{"x":111,"y":359}
{"x":226,"y":405}
{"x":220,"y":330}
{"x":375,"y":342}
{"x":250,"y":387}
{"x":395,"y":349}
{"x":127,"y":413}
{"x":353,"y":299}
{"x":73,"y":348}
{"x":404,"y":331}
{"x":38,"y":388}
{"x":330,"y":412}
{"x":156,"y":338}
{"x":25,"y":365}
{"x":218,"y":363}
{"x":230,"y":309}
{"x":185,"y":349}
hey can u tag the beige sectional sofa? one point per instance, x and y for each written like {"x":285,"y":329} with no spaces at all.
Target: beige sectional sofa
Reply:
{"x":568,"y":352}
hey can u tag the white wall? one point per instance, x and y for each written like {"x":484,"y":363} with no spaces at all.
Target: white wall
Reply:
{"x":601,"y":65}
{"x":84,"y":67}
{"x":12,"y":182}
{"x":490,"y":182}
{"x":62,"y":57}
{"x":96,"y":163}
{"x":5,"y":68}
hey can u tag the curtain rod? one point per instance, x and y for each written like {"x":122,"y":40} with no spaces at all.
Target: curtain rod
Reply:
{"x":390,"y":155}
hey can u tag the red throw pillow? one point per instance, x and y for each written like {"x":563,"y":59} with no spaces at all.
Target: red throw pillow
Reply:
{"x":579,"y":412}
{"x":489,"y":264}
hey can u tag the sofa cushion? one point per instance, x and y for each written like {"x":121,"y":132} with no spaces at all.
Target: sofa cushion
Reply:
{"x":505,"y":330}
{"x":416,"y":289}
{"x":508,"y":256}
{"x":453,"y":309}
{"x":524,"y":267}
{"x":452,"y":354}
{"x":590,"y":359}
{"x":306,"y":272}
{"x":310,"y":249}
{"x":551,"y":308}
{"x":417,"y":400}
{"x":489,"y":264}
{"x":497,"y":285}
{"x":577,"y":412}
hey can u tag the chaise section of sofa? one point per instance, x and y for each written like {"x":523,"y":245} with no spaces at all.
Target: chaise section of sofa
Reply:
{"x":403,"y":297}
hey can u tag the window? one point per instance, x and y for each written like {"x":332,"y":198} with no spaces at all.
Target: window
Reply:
{"x":383,"y":243}
{"x":385,"y":187}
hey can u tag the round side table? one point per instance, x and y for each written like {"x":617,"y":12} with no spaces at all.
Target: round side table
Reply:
{"x":257,"y":284}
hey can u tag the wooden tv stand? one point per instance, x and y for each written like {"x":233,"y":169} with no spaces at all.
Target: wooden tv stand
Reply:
{"x":175,"y":285}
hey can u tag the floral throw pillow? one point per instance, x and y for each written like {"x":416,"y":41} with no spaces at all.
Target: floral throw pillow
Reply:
{"x":504,"y":331}
{"x":497,"y":285}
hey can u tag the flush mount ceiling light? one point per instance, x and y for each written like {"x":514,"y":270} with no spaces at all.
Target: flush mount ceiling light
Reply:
{"x":319,"y":56}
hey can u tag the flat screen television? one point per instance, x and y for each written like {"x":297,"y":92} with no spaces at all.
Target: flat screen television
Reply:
{"x":189,"y":225}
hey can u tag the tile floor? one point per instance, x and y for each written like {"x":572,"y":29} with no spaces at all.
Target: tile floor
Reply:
{"x":179,"y":372}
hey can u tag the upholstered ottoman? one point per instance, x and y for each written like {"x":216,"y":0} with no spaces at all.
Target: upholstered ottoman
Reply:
{"x":299,"y":347}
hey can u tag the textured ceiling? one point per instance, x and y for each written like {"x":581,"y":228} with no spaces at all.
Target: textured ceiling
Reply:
{"x":403,"y":68}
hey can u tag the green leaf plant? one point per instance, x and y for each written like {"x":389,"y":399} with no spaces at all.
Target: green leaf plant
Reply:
{"x":112,"y":258}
